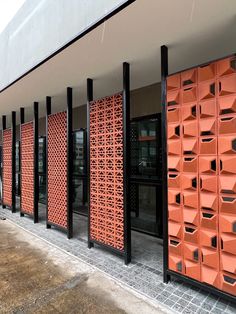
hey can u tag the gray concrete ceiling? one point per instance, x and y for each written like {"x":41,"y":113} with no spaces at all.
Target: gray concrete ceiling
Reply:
{"x":195,"y":32}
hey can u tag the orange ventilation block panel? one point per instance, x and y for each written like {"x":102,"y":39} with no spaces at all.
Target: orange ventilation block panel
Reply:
{"x":209,"y":201}
{"x":190,"y":216}
{"x":175,"y":229}
{"x":191,"y":234}
{"x":209,"y":238}
{"x":208,"y":145}
{"x":189,"y":182}
{"x":174,"y":147}
{"x":191,"y":252}
{"x":207,"y":127}
{"x":189,"y":146}
{"x":176,"y":263}
{"x":174,"y":131}
{"x":228,"y":243}
{"x":208,"y":164}
{"x":190,"y":199}
{"x":175,"y":213}
{"x":174,"y":197}
{"x":227,"y":144}
{"x":227,"y":204}
{"x":7,"y":168}
{"x":209,"y":220}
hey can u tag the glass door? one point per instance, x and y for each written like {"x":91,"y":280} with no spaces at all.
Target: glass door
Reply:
{"x":145,"y":180}
{"x":80,"y":204}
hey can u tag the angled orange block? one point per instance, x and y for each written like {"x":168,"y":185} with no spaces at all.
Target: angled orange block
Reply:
{"x":227,"y":85}
{"x":227,"y":144}
{"x":191,"y":216}
{"x":210,"y":276}
{"x":174,"y":131}
{"x":189,"y":112}
{"x":189,"y":181}
{"x":190,"y":146}
{"x":227,"y":184}
{"x":207,"y":126}
{"x":192,"y":269}
{"x":173,"y":115}
{"x":190,"y":129}
{"x":175,"y":229}
{"x":174,"y":197}
{"x":190,"y":199}
{"x":228,"y":262}
{"x":227,"y":105}
{"x":210,"y":257}
{"x":227,"y":204}
{"x":191,"y":234}
{"x":228,"y":243}
{"x":189,"y":77}
{"x":208,"y":183}
{"x":173,"y":98}
{"x":189,"y":94}
{"x":227,"y":164}
{"x":207,"y":108}
{"x":191,"y":252}
{"x":175,"y":246}
{"x":226,"y":66}
{"x":174,"y":147}
{"x":173,"y":82}
{"x":190,"y":164}
{"x":174,"y":180}
{"x":206,"y":72}
{"x":174,"y":163}
{"x":207,"y":90}
{"x":208,"y":145}
{"x":227,"y":125}
{"x":228,"y":283}
{"x":176,"y":263}
{"x":208,"y":164}
{"x":208,"y":238}
{"x":175,"y":213}
{"x":227,"y":223}
{"x":209,"y":220}
{"x":209,"y":201}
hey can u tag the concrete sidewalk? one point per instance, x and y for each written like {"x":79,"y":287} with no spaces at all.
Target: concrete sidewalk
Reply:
{"x":37,"y":277}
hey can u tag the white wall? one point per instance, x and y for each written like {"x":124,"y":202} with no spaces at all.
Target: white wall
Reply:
{"x":40,"y":27}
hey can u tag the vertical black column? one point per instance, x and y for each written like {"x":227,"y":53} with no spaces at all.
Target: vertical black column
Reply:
{"x":164,"y":73}
{"x":48,"y":112}
{"x":22,"y":121}
{"x":4,"y":125}
{"x":13,"y":121}
{"x":126,"y":156}
{"x":89,"y":98}
{"x":36,"y":165}
{"x":69,"y":164}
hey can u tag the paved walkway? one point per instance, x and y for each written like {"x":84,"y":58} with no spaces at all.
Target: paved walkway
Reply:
{"x":144,"y":274}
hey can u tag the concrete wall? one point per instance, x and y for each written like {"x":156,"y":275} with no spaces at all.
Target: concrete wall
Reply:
{"x":40,"y":27}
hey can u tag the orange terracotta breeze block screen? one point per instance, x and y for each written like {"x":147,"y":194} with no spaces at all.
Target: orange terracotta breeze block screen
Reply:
{"x":27,"y":168}
{"x":57,"y":169}
{"x":201,"y":132}
{"x":106,"y":172}
{"x":7,"y":167}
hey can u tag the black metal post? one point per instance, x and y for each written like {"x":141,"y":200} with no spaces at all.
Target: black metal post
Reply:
{"x":48,"y":112}
{"x":126,"y":160}
{"x":4,"y":125}
{"x":89,"y":98}
{"x":69,"y":164}
{"x":22,"y":121}
{"x":13,"y":120}
{"x":164,"y":73}
{"x":36,"y":166}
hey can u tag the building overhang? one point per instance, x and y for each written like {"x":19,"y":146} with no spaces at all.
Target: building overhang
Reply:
{"x":194,"y":31}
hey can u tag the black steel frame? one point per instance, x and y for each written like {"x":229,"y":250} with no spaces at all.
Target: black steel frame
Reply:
{"x":13,"y":128}
{"x":69,"y":229}
{"x":35,"y":215}
{"x":167,"y":273}
{"x":126,"y":156}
